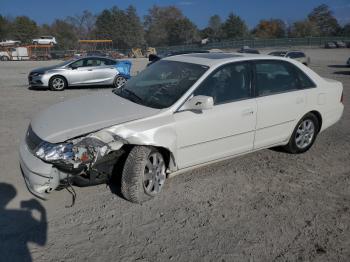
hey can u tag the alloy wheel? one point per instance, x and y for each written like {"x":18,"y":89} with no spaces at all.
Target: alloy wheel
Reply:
{"x":154,"y":174}
{"x":305,"y":134}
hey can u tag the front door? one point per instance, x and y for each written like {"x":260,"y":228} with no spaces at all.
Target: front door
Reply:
{"x":225,"y":130}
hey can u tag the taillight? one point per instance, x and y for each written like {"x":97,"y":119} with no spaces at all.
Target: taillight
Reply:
{"x":342,"y":98}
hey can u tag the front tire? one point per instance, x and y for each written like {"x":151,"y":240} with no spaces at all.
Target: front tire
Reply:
{"x":5,"y":58}
{"x":304,"y":135}
{"x":144,"y":174}
{"x":57,"y":83}
{"x":119,"y":81}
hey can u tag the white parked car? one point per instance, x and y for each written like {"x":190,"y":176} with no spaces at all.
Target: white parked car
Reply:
{"x":180,"y":113}
{"x":296,"y":55}
{"x":10,"y":43}
{"x":45,"y":40}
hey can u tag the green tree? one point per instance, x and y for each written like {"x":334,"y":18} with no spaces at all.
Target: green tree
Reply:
{"x":323,"y":18}
{"x":83,"y":24}
{"x":304,"y":28}
{"x":4,"y":28}
{"x":346,"y":30}
{"x":215,"y":25}
{"x":123,"y":27}
{"x":65,"y":34}
{"x":182,"y":31}
{"x":168,"y":26}
{"x":134,"y":32}
{"x":234,"y":27}
{"x":273,"y":28}
{"x":23,"y":29}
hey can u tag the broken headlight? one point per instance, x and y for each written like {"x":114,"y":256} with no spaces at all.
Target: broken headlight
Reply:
{"x":55,"y":152}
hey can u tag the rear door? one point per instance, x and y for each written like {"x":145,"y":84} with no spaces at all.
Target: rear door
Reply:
{"x":280,"y":102}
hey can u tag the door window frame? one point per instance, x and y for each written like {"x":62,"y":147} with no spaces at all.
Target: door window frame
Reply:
{"x":294,"y":69}
{"x":251,"y":95}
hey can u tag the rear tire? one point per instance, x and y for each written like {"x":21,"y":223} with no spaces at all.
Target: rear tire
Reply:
{"x":143,"y":174}
{"x":304,"y":135}
{"x":57,"y":83}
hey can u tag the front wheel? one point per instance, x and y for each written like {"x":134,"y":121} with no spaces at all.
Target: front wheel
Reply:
{"x":144,"y":174}
{"x":57,"y":83}
{"x":5,"y":58}
{"x":119,"y":81}
{"x":304,"y":135}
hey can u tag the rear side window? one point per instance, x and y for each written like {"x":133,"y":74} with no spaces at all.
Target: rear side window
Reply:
{"x":229,"y":83}
{"x":274,"y":77}
{"x":109,"y":62}
{"x":304,"y":80}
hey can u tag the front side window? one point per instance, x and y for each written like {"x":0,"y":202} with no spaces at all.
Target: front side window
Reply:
{"x":162,"y":84}
{"x":78,"y":63}
{"x":228,"y":83}
{"x":274,"y":77}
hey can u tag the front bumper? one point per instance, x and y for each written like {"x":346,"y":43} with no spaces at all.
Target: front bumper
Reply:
{"x":37,"y":80}
{"x":40,"y":177}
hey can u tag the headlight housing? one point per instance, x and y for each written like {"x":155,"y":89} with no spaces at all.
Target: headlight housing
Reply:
{"x":55,"y":152}
{"x":37,"y":73}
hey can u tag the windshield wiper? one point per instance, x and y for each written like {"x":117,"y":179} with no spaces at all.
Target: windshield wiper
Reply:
{"x":128,"y":94}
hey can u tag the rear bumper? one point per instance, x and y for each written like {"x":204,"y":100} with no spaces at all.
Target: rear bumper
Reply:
{"x":332,"y":117}
{"x":40,"y":177}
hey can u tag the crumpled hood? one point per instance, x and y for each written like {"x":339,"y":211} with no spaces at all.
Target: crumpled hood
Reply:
{"x":86,"y":114}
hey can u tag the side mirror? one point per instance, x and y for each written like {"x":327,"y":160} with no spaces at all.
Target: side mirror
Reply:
{"x":199,"y":103}
{"x":73,"y":67}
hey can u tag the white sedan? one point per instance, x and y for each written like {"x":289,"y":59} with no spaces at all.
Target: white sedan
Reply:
{"x":180,"y":113}
{"x":9,"y":43}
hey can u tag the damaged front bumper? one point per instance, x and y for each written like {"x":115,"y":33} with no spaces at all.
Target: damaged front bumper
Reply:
{"x":84,"y":161}
{"x":40,"y":177}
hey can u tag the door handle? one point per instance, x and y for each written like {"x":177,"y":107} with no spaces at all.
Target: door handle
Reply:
{"x":90,"y":69}
{"x":300,"y":100}
{"x":248,"y":112}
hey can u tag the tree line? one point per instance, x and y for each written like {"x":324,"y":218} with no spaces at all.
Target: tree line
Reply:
{"x":164,"y":26}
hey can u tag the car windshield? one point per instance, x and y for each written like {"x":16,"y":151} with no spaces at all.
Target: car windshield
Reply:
{"x":161,"y":84}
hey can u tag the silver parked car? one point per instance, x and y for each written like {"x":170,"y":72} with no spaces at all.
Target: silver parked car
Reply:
{"x":296,"y":55}
{"x":88,"y":71}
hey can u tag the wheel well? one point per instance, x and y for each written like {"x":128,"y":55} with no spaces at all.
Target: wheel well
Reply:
{"x":166,"y":153}
{"x":65,"y":79}
{"x":319,"y":118}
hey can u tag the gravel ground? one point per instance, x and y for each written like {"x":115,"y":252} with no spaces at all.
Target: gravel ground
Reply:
{"x":265,"y":206}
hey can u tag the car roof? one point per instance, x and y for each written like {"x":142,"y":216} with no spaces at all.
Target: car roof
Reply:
{"x":212,"y":59}
{"x":96,"y":57}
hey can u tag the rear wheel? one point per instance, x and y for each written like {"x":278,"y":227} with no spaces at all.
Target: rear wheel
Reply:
{"x":119,"y":81}
{"x":144,"y":174}
{"x":304,"y":135}
{"x":57,"y":83}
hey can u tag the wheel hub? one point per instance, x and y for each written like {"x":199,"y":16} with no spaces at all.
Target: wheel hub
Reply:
{"x":154,"y":174}
{"x":305,"y":133}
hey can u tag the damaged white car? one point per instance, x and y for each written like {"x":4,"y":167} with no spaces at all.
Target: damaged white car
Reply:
{"x":180,"y":113}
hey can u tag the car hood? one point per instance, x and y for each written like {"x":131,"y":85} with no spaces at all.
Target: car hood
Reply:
{"x":86,"y":114}
{"x":44,"y":69}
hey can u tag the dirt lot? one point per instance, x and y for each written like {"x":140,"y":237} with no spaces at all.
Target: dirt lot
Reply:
{"x":266,"y":206}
